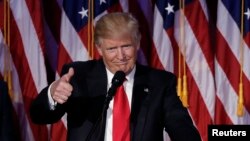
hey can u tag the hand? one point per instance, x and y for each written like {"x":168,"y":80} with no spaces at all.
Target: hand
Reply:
{"x":61,"y":89}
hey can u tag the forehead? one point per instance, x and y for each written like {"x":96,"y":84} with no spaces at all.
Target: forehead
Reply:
{"x":116,"y":42}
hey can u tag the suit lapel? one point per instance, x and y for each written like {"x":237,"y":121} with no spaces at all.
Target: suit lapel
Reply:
{"x":140,"y":103}
{"x":97,"y":80}
{"x":97,"y":87}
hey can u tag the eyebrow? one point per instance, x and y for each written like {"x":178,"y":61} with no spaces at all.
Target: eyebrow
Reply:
{"x":125,"y":45}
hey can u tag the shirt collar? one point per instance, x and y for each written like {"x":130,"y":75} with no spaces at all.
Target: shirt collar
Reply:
{"x":129,"y":77}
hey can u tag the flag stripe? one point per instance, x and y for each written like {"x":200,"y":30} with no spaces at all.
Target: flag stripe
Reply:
{"x":17,"y":99}
{"x":52,"y":17}
{"x":198,"y":107}
{"x":201,"y":33}
{"x":247,"y":40}
{"x":200,"y":65}
{"x":29,"y":37}
{"x":25,"y":48}
{"x":232,"y":39}
{"x":163,"y":43}
{"x":18,"y":102}
{"x":75,"y":48}
{"x":229,"y":47}
{"x":196,"y":60}
{"x":146,"y":38}
{"x":36,"y":20}
{"x":203,"y":52}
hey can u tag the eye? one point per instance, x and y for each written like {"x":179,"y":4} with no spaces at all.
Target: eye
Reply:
{"x":111,"y":49}
{"x":127,"y":46}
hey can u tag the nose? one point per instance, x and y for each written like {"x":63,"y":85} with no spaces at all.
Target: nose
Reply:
{"x":120,"y":53}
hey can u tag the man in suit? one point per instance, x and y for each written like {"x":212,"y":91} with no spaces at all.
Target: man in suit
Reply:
{"x":82,"y":89}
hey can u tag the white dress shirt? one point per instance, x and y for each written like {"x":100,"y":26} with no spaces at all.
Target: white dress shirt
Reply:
{"x":128,"y":86}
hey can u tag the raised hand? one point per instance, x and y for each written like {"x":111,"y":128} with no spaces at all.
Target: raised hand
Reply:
{"x":61,"y":89}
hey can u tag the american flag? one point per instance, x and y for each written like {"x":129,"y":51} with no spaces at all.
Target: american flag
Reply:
{"x":208,"y":52}
{"x":232,"y":64}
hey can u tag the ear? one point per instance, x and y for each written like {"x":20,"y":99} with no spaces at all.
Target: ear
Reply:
{"x":138,"y":46}
{"x":99,"y":49}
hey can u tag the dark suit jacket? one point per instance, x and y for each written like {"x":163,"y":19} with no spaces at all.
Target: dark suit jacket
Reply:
{"x":155,"y":105}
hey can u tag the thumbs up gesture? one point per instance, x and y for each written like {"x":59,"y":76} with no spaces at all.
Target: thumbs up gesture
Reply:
{"x":61,"y":89}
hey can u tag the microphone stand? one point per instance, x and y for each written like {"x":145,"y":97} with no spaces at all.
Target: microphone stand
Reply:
{"x":101,"y":120}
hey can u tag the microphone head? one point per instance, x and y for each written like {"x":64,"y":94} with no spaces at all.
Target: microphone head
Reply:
{"x":118,"y":78}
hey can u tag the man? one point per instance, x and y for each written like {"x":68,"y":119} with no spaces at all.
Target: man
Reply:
{"x":82,"y":89}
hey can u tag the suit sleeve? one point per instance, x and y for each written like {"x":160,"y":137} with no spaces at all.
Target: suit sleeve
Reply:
{"x":40,"y":110}
{"x":178,"y":122}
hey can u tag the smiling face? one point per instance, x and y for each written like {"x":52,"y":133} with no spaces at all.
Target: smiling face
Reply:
{"x":118,"y":54}
{"x":117,"y":39}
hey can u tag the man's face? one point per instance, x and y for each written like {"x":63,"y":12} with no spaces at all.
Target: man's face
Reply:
{"x":118,"y":54}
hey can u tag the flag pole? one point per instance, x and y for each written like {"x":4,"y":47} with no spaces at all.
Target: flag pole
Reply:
{"x":90,"y":29}
{"x":179,"y":84}
{"x":184,"y":97}
{"x":240,"y":104}
{"x":7,"y":68}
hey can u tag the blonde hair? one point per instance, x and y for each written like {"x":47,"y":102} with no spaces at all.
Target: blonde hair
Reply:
{"x":117,"y":25}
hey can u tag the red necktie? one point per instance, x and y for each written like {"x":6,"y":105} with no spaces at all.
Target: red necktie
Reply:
{"x":121,"y":116}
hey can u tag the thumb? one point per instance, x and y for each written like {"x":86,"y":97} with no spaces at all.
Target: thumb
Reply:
{"x":68,"y":75}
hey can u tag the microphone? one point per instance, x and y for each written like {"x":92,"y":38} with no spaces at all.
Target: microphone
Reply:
{"x":97,"y":130}
{"x":117,"y":81}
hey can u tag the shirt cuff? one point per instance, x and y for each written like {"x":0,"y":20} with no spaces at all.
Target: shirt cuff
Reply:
{"x":52,"y":103}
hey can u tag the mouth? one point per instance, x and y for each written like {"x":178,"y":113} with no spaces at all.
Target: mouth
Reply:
{"x":122,"y":63}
